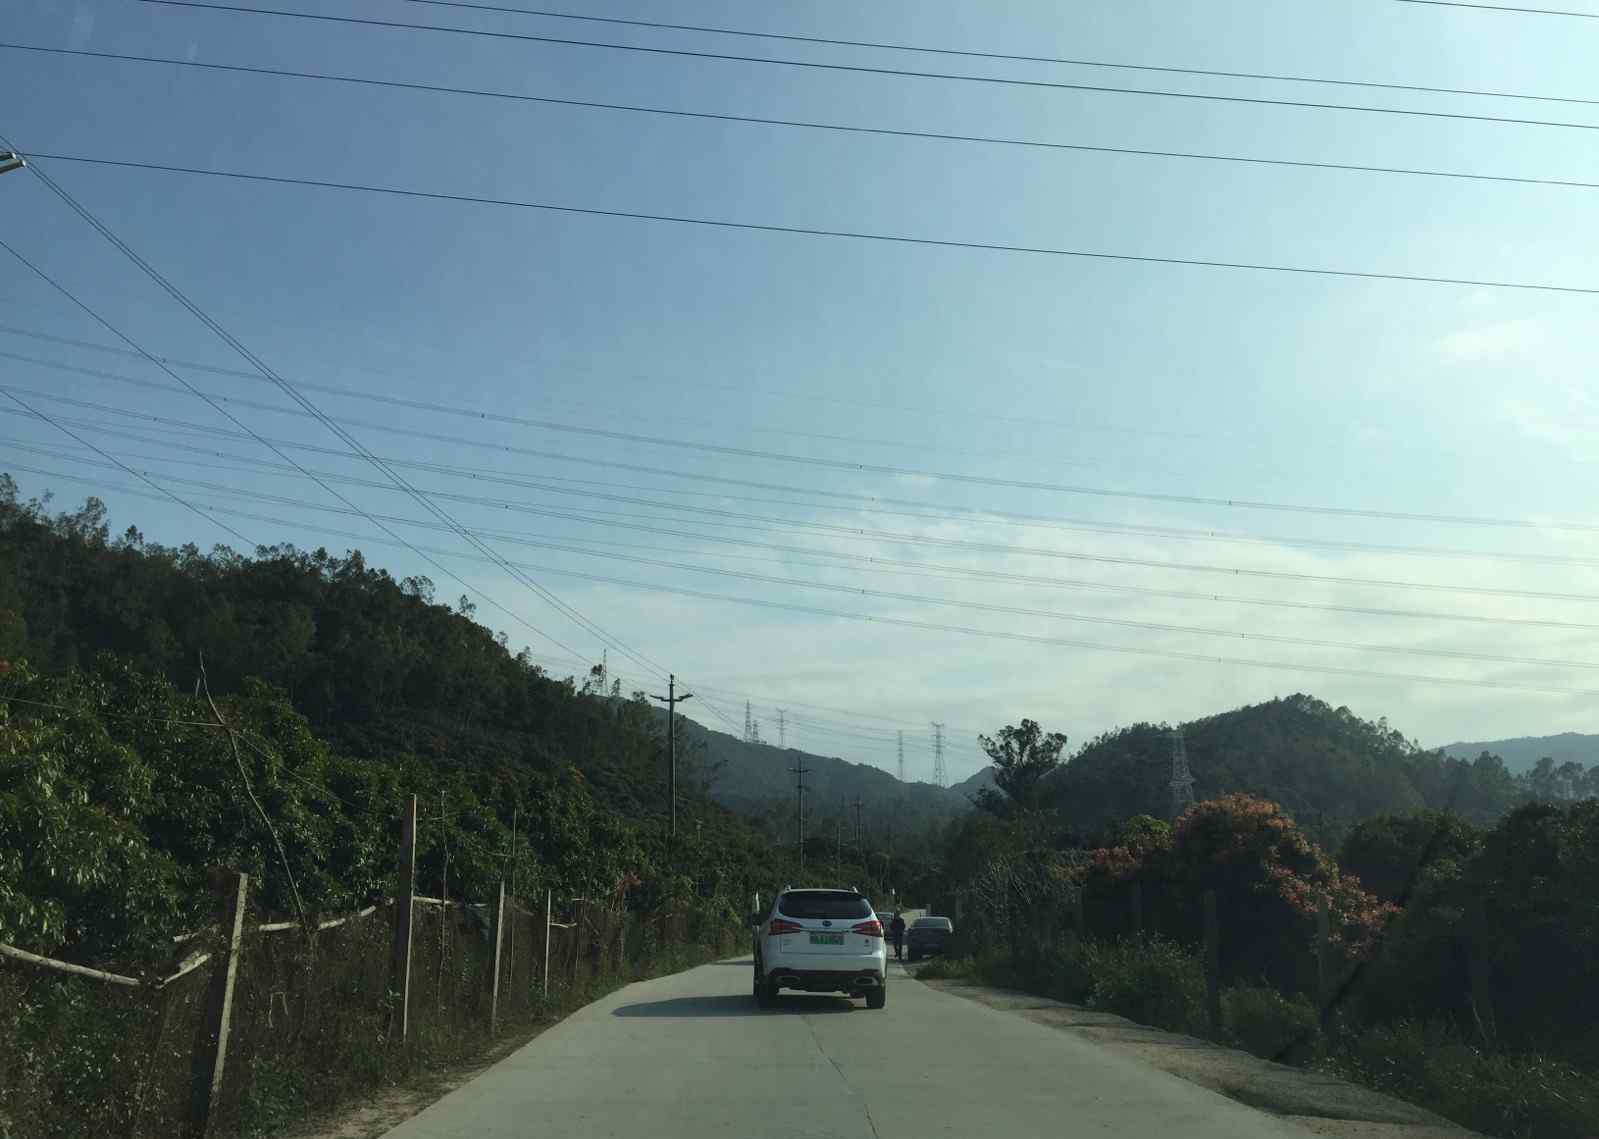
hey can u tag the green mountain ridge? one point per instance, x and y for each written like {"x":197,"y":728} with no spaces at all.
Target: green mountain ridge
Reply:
{"x":1522,"y":753}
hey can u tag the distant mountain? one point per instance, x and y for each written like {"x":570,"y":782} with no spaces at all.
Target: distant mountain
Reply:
{"x":1523,"y":753}
{"x":758,"y":780}
{"x":966,"y":790}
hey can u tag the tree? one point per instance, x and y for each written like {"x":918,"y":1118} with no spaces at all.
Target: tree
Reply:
{"x":1389,"y":853}
{"x":1023,"y":757}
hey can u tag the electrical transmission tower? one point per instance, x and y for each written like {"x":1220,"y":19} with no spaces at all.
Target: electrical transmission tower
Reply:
{"x":747,"y":721}
{"x":902,"y":755}
{"x":799,"y":770}
{"x":782,"y":733}
{"x":859,"y":834}
{"x":938,"y":754}
{"x":1182,"y":779}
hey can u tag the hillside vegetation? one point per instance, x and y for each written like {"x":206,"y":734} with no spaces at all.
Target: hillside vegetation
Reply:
{"x":1328,"y":767}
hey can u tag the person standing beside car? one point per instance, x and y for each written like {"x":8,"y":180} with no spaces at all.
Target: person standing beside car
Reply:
{"x":897,"y":929}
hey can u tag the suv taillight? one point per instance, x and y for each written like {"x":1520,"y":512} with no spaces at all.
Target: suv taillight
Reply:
{"x":873,"y":928}
{"x":783,"y":925}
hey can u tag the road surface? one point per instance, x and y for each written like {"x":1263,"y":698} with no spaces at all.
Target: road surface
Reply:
{"x":691,"y":1057}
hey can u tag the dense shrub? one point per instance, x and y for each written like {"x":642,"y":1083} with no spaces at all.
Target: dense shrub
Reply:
{"x":1262,"y":1020}
{"x":1514,"y":1096}
{"x":1152,"y":981}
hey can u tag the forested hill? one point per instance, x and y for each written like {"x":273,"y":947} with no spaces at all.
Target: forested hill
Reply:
{"x":1327,"y":766}
{"x":1523,"y":753}
{"x":380,"y":667}
{"x":758,"y":779}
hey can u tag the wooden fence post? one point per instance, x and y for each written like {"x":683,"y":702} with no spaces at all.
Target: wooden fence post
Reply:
{"x":499,"y":940}
{"x":219,"y":1014}
{"x":404,"y":891}
{"x":1212,"y":962}
{"x":548,"y":901}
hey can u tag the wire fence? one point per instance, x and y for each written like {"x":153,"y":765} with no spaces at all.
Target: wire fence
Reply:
{"x":262,"y":1021}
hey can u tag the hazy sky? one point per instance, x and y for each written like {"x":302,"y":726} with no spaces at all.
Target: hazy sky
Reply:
{"x":1371,"y":395}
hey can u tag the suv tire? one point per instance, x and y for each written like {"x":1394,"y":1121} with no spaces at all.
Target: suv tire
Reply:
{"x":878,"y":997}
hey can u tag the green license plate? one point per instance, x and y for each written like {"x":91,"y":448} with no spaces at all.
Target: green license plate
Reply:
{"x":827,"y":939}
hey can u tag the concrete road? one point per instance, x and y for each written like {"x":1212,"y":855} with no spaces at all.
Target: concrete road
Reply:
{"x":691,"y":1057}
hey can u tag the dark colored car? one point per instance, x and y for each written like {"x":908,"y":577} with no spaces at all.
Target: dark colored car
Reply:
{"x":926,"y":936}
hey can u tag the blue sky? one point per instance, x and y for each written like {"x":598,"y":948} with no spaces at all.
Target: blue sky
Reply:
{"x":1377,"y":395}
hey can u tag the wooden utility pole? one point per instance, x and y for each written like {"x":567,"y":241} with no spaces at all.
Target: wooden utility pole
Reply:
{"x":672,"y":700}
{"x":799,"y":771}
{"x":404,"y":890}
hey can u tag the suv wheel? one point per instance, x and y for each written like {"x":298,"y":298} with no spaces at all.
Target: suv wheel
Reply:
{"x":878,"y":997}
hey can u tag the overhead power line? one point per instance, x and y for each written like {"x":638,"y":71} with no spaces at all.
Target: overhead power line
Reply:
{"x":254,"y":361}
{"x":143,"y":353}
{"x":938,"y":571}
{"x":883,"y":469}
{"x":1504,"y":8}
{"x":972,"y":53}
{"x":979,"y":606}
{"x":805,"y":124}
{"x":990,"y":633}
{"x":900,"y":537}
{"x":814,"y":231}
{"x":856,"y":502}
{"x":895,"y":72}
{"x":36,"y":271}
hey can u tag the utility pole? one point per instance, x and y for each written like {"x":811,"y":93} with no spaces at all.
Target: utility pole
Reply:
{"x":902,"y":755}
{"x":799,"y":771}
{"x":859,"y":849}
{"x":672,"y":700}
{"x":938,"y":754}
{"x":838,"y":852}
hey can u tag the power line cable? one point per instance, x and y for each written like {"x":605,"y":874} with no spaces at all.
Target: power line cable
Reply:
{"x":1013,"y":636}
{"x":177,"y":295}
{"x":945,"y":572}
{"x":844,"y":128}
{"x":78,"y":438}
{"x":988,"y":607}
{"x":815,"y":231}
{"x":898,"y":537}
{"x":895,"y":72}
{"x":963,"y":414}
{"x":860,"y":503}
{"x":1504,"y":8}
{"x":971,"y":53}
{"x":842,"y":496}
{"x":903,"y":568}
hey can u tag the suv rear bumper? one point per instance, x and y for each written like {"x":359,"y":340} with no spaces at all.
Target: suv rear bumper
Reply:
{"x":826,"y":980}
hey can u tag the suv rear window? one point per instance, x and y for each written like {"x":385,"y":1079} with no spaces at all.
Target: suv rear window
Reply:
{"x":824,"y":904}
{"x":932,"y":923}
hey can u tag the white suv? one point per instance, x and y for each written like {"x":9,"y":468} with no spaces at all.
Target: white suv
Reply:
{"x":821,"y":941}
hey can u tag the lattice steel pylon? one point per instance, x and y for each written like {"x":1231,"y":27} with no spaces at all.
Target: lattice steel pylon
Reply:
{"x":902,"y":756}
{"x":938,"y":754}
{"x":1182,"y":779}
